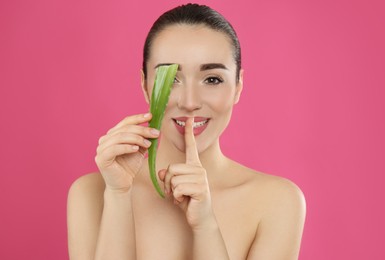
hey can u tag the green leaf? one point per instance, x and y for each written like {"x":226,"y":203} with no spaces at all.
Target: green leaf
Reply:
{"x":164,"y":79}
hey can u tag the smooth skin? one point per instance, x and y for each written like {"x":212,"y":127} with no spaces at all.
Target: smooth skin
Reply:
{"x":214,"y":208}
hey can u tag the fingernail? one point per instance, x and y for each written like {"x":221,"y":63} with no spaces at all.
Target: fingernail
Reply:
{"x":155,"y":131}
{"x":146,"y":115}
{"x":147,"y":142}
{"x":135,"y":147}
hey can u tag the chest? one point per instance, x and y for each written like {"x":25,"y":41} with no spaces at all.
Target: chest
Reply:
{"x":162,"y":232}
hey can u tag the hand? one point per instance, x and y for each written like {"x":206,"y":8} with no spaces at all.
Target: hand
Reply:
{"x":188,"y":185}
{"x":121,"y":151}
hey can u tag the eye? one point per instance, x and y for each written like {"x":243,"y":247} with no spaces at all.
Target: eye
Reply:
{"x":176,"y":80}
{"x":213,"y":80}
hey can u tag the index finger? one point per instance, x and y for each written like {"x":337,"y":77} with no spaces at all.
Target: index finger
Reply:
{"x":192,"y":156}
{"x":132,"y":120}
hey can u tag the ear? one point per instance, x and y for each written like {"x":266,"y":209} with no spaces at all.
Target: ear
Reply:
{"x":239,"y":87}
{"x":143,"y":82}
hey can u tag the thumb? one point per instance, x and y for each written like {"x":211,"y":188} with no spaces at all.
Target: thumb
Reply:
{"x":162,"y":174}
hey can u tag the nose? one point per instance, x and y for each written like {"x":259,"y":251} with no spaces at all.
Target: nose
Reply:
{"x":189,"y":98}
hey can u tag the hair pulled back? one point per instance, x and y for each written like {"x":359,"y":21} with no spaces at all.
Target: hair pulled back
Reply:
{"x":193,"y":14}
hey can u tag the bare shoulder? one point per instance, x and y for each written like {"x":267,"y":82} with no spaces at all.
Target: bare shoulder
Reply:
{"x":88,"y":184}
{"x":271,"y":196}
{"x":85,"y":195}
{"x":274,"y":189}
{"x":280,"y":190}
{"x":84,"y":210}
{"x":281,"y":208}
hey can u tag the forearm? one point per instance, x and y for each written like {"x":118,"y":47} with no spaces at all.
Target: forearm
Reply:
{"x":209,"y":244}
{"x":116,"y":238}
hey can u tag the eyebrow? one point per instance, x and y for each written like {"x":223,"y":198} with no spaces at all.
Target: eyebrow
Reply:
{"x":166,"y":64}
{"x":203,"y":67}
{"x":211,"y":66}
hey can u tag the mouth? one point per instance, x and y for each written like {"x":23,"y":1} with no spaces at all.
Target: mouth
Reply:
{"x":195,"y":124}
{"x":199,"y":125}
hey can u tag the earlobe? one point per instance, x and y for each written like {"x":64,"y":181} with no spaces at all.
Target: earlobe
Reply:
{"x":143,"y":82}
{"x":239,"y":87}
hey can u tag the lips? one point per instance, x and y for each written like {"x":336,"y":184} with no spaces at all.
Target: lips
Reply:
{"x":200,"y":124}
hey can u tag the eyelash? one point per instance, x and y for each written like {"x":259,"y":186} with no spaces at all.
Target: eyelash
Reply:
{"x":217,"y":80}
{"x":208,"y":80}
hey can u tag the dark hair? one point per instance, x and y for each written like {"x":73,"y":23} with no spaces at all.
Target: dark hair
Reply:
{"x":193,"y":14}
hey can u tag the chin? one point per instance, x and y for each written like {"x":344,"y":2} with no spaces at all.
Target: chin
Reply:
{"x":202,"y":145}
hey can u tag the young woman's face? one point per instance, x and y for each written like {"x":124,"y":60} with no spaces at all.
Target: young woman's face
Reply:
{"x":205,"y":86}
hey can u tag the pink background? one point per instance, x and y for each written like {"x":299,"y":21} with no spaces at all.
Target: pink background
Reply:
{"x":312,"y":110}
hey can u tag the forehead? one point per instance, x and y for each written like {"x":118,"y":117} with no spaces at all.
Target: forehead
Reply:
{"x":191,"y":45}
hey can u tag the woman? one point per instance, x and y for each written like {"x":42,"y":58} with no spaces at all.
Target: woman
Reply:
{"x":214,"y":208}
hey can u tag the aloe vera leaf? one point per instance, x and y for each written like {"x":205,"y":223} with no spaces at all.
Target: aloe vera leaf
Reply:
{"x":164,"y":80}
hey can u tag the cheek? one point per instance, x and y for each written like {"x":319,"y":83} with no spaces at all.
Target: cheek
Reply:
{"x":173,"y":96}
{"x":150,"y":83}
{"x":172,"y":101}
{"x":217,"y":100}
{"x":220,"y":101}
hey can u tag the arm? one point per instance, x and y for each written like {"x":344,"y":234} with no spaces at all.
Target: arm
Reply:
{"x":100,"y":220}
{"x":84,"y":209}
{"x":116,"y":238}
{"x":209,"y":244}
{"x":187,"y":185}
{"x":97,"y":223}
{"x":280,"y":230}
{"x":119,"y":157}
